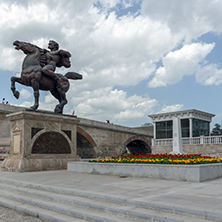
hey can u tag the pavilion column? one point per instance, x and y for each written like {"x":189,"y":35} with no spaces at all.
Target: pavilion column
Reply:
{"x":191,"y":127}
{"x":177,"y":142}
{"x":209,"y":129}
{"x":154,"y":130}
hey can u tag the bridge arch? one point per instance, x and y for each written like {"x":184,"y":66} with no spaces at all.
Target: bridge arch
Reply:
{"x":138,"y":145}
{"x":50,"y":142}
{"x":85,"y":144}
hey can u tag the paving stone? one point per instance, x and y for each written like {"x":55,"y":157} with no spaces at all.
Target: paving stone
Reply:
{"x":9,"y":215}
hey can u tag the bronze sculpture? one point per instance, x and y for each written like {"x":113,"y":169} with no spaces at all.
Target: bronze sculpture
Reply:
{"x":38,"y":71}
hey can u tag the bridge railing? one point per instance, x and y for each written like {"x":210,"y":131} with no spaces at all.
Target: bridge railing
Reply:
{"x":187,"y":141}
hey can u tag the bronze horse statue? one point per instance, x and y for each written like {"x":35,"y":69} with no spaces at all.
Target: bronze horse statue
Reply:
{"x":32,"y":74}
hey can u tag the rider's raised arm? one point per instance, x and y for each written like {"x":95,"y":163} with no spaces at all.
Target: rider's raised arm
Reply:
{"x":64,"y":59}
{"x":64,"y":53}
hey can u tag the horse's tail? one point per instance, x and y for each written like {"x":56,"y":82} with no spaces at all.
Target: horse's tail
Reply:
{"x":73,"y":75}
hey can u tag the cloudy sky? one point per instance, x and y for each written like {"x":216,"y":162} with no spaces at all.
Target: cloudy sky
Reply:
{"x":137,"y":57}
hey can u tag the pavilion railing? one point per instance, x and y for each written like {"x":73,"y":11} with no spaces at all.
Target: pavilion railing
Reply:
{"x":187,"y":140}
{"x":162,"y":142}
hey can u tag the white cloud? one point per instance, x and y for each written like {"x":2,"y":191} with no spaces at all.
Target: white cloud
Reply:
{"x":120,"y":50}
{"x":25,"y":94}
{"x":209,"y":75}
{"x":10,"y":59}
{"x":49,"y":103}
{"x":140,"y":109}
{"x":182,"y":62}
{"x":190,"y":18}
{"x":113,"y":51}
{"x":105,"y":103}
{"x":25,"y":104}
{"x":172,"y":108}
{"x":113,"y":104}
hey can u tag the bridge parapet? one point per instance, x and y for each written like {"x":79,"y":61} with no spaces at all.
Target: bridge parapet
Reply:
{"x":113,"y":127}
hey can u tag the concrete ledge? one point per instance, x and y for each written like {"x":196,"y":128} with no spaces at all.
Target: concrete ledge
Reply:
{"x":36,"y":164}
{"x":192,"y":173}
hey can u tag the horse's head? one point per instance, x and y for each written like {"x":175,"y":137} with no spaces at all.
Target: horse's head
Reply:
{"x":17,"y":44}
{"x":27,"y":48}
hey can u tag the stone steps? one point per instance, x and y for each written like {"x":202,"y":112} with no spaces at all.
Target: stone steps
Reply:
{"x":58,"y":204}
{"x":36,"y":211}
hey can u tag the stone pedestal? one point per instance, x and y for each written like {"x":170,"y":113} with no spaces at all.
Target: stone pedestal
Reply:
{"x":41,"y":141}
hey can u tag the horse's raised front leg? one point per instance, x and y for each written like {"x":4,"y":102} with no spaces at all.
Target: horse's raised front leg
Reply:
{"x":35,"y":86}
{"x":13,"y":80}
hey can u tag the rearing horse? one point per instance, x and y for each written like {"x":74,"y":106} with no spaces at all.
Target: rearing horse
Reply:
{"x":33,"y":76}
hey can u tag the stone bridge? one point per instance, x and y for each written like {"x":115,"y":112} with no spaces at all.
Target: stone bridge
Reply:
{"x":103,"y":139}
{"x":94,"y":138}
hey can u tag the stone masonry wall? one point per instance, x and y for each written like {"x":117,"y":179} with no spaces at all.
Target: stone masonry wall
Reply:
{"x":214,"y":150}
{"x":161,"y":149}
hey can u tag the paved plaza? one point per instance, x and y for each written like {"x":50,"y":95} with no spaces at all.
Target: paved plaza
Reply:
{"x":8,"y":215}
{"x":204,"y":196}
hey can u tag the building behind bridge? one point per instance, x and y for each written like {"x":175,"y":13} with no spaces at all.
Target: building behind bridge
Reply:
{"x":195,"y":133}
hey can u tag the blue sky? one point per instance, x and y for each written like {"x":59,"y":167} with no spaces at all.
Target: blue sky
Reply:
{"x":137,"y":57}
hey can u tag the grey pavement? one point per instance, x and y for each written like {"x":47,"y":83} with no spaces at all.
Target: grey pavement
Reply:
{"x":204,"y":196}
{"x":8,"y":215}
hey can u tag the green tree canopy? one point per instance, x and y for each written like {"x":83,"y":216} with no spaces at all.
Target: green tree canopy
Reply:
{"x":217,"y":130}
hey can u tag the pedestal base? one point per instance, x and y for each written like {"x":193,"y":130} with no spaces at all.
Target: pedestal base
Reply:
{"x":40,"y":141}
{"x":36,"y":164}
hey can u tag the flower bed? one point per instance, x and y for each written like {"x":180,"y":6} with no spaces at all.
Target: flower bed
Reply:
{"x":181,"y":172}
{"x":194,"y":168}
{"x":161,"y":159}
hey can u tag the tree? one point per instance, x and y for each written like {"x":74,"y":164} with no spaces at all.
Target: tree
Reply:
{"x":217,"y":130}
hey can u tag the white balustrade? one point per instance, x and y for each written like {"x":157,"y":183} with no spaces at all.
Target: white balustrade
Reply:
{"x":162,"y":142}
{"x":187,"y":140}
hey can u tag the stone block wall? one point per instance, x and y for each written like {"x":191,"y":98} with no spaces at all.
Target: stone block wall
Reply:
{"x":4,"y":136}
{"x":5,"y":126}
{"x":214,"y":150}
{"x":161,"y":149}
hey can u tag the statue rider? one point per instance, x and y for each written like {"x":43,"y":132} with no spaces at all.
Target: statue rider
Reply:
{"x":53,"y":60}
